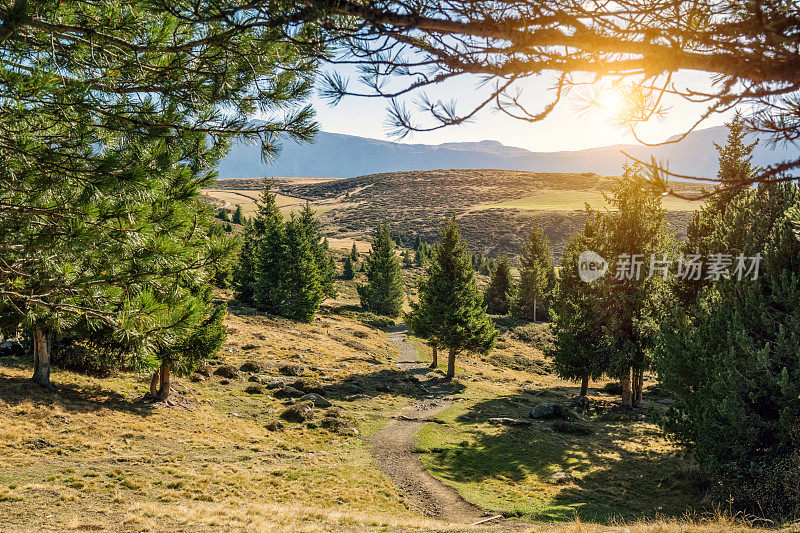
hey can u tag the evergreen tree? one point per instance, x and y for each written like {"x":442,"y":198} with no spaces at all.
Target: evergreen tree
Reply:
{"x":634,"y":299}
{"x":383,"y":292}
{"x":222,"y":214}
{"x":354,"y":253}
{"x":238,"y":216}
{"x":320,"y":249}
{"x":729,"y":359}
{"x":284,"y":267}
{"x":537,"y":278}
{"x":500,"y":292}
{"x":113,"y":117}
{"x":450,"y":308}
{"x":348,"y":271}
{"x":579,"y":309}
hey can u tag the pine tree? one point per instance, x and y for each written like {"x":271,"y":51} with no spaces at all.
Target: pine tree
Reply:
{"x":284,"y":267}
{"x":348,"y":271}
{"x":500,"y":292}
{"x":354,"y":253}
{"x":579,"y":310}
{"x":383,"y":292}
{"x":537,"y":278}
{"x":113,"y":117}
{"x":320,"y":249}
{"x":450,"y":308}
{"x":634,"y":303}
{"x":238,"y":216}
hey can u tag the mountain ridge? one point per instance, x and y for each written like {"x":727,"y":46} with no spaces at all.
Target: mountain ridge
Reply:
{"x":339,"y":155}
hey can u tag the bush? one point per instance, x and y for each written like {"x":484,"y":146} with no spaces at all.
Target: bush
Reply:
{"x":376,"y":321}
{"x":538,"y":334}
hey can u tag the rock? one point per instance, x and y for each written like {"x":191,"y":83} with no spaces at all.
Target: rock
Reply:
{"x":254,"y":379}
{"x":11,"y":348}
{"x":275,"y":425}
{"x":348,"y":432}
{"x":577,"y":402}
{"x":561,"y":477}
{"x":666,"y":401}
{"x":309,"y":386}
{"x":227,"y":371}
{"x":254,"y":389}
{"x":196,"y":378}
{"x":549,"y":411}
{"x":224,"y":382}
{"x":288,"y":392}
{"x":300,"y":412}
{"x":291,"y":370}
{"x":570,"y":428}
{"x":250,"y":366}
{"x":274,"y":384}
{"x":316,"y":399}
{"x":354,"y":397}
{"x":333,"y":423}
{"x":250,"y":347}
{"x":505,"y":421}
{"x":612,"y":387}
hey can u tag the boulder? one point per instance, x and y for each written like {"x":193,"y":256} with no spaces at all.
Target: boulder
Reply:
{"x":250,"y":366}
{"x":11,"y":348}
{"x":226,"y":371}
{"x":299,"y":412}
{"x":288,"y":392}
{"x":549,"y":411}
{"x":291,"y":370}
{"x":316,"y":399}
{"x":274,"y":384}
{"x":561,"y":477}
{"x":254,"y":389}
{"x":275,"y":425}
{"x":254,"y":379}
{"x":309,"y":386}
{"x":577,"y":402}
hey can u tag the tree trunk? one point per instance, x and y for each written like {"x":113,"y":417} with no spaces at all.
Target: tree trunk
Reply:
{"x":584,"y":385}
{"x":451,"y":364}
{"x":159,"y":384}
{"x":534,"y":308}
{"x":42,"y":348}
{"x":626,"y":388}
{"x":638,"y":383}
{"x":435,"y":362}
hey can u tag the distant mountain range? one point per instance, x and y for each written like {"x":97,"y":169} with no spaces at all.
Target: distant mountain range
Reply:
{"x":339,"y":156}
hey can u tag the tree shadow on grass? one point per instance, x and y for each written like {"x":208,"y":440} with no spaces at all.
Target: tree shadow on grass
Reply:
{"x":618,"y":471}
{"x":410,"y":383}
{"x":85,"y":399}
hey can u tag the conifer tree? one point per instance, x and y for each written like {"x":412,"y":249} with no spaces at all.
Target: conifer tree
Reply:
{"x":320,"y":249}
{"x":383,"y":292}
{"x":238,"y":216}
{"x":500,"y":291}
{"x":301,"y":287}
{"x":579,"y":311}
{"x":354,"y":253}
{"x":450,"y":308}
{"x":537,"y":278}
{"x":113,"y":117}
{"x":348,"y":272}
{"x":635,"y":299}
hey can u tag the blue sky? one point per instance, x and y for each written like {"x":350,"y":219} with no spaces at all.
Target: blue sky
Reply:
{"x":567,"y":128}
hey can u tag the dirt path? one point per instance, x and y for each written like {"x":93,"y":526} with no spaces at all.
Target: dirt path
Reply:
{"x":394,"y":445}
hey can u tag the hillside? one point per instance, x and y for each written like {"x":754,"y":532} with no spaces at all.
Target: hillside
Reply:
{"x":96,"y":457}
{"x":338,"y":155}
{"x":495,"y":208}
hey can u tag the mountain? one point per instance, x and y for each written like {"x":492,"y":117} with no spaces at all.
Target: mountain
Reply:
{"x":338,"y":156}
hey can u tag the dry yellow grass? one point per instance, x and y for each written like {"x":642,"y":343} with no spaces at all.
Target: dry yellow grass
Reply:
{"x":92,"y":458}
{"x":576,"y":201}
